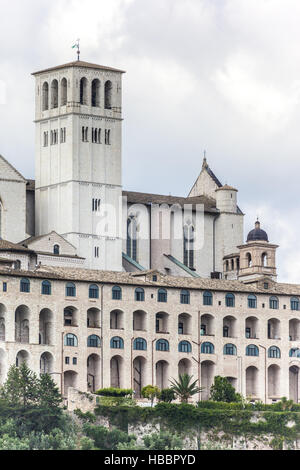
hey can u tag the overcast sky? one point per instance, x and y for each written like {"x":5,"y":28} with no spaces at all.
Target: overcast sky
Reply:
{"x":219,"y":75}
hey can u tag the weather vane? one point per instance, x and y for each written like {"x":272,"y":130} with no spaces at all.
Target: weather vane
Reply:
{"x":77,"y":45}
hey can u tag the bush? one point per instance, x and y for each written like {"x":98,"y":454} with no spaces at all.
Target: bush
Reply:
{"x":167,"y":395}
{"x":222,"y":390}
{"x":114,"y":392}
{"x":105,"y":439}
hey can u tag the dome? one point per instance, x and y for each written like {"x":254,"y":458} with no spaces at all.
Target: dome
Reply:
{"x":257,"y":234}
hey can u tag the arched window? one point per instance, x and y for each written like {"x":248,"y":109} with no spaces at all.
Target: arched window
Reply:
{"x":96,"y":93}
{"x":185,"y":347}
{"x":45,"y":97}
{"x":252,"y":301}
{"x":230,"y":350}
{"x":70,"y":290}
{"x":274,"y":352}
{"x":54,"y":94}
{"x":207,"y":298}
{"x":94,"y":291}
{"x":116,"y":293}
{"x":207,"y":348}
{"x":249,"y":260}
{"x":294,"y":303}
{"x":46,"y":288}
{"x":252,"y":350}
{"x":139,"y":294}
{"x":117,"y":343}
{"x":64,"y":92}
{"x":140,"y":344}
{"x":83,"y":91}
{"x":188,"y":245}
{"x":108,"y":95}
{"x":162,"y":295}
{"x":25,"y":285}
{"x":71,"y":340}
{"x":56,"y":250}
{"x":185,"y":297}
{"x":162,"y":345}
{"x":230,"y":300}
{"x":273,"y":302}
{"x":264,"y":259}
{"x":93,"y":341}
{"x":294,"y":352}
{"x":132,"y":238}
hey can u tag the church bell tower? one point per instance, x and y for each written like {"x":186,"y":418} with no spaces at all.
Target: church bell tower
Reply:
{"x":78,"y":118}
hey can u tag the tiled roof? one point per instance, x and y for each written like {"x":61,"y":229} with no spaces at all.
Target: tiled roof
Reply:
{"x":9,"y":246}
{"x":80,"y":63}
{"x":123,"y":278}
{"x":145,"y":198}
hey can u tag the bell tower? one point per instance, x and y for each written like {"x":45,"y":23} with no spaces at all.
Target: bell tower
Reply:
{"x":78,"y":118}
{"x":257,"y":256}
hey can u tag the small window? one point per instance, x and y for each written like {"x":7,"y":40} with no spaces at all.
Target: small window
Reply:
{"x":116,"y":293}
{"x":94,"y":292}
{"x":230,"y":350}
{"x":71,"y":340}
{"x":56,"y":250}
{"x":93,"y":341}
{"x":274,"y":303}
{"x":25,"y":285}
{"x":294,"y":303}
{"x":4,"y":286}
{"x":207,"y":298}
{"x":207,"y":348}
{"x":139,"y":295}
{"x":185,"y":347}
{"x":274,"y":352}
{"x":162,"y":295}
{"x":252,"y":301}
{"x":140,"y":344}
{"x":162,"y":345}
{"x":230,"y":300}
{"x":70,"y":290}
{"x":294,"y":352}
{"x":117,"y":343}
{"x":185,"y":297}
{"x":74,"y":361}
{"x":154,"y":278}
{"x":46,"y":288}
{"x":252,"y":350}
{"x":67,"y":360}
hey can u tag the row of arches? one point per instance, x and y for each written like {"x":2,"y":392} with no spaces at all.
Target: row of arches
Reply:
{"x":56,"y":94}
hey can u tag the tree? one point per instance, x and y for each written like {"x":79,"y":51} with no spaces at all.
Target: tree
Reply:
{"x":222,"y":390}
{"x":151,"y":392}
{"x":21,"y":386}
{"x":185,"y":388}
{"x":49,"y":395}
{"x":167,"y":395}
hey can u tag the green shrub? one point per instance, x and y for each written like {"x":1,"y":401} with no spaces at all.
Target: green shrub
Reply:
{"x":114,"y":392}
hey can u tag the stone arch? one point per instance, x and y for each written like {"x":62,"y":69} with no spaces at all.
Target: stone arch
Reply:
{"x":207,"y":378}
{"x":94,"y":372}
{"x":46,"y":327}
{"x":108,"y":95}
{"x":294,"y":383}
{"x":54,"y":94}
{"x":251,"y":327}
{"x":96,"y":85}
{"x":70,"y":380}
{"x":162,"y":322}
{"x":184,"y":324}
{"x":2,"y":322}
{"x":63,"y":92}
{"x":162,"y":374}
{"x":93,"y":318}
{"x":22,"y":316}
{"x":139,"y":375}
{"x":45,"y":96}
{"x":207,"y":325}
{"x":117,"y":320}
{"x":252,"y":382}
{"x":83,"y":91}
{"x":22,"y":357}
{"x":116,"y":372}
{"x":46,"y":363}
{"x":70,"y":316}
{"x":274,"y":381}
{"x":185,"y":367}
{"x":139,"y":320}
{"x":229,"y":326}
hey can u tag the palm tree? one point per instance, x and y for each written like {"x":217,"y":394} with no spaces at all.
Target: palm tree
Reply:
{"x":184,"y":388}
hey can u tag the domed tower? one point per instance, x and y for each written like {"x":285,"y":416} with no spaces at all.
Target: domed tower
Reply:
{"x":257,"y":256}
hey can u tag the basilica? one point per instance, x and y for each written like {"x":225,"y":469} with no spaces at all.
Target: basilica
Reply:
{"x":105,"y":287}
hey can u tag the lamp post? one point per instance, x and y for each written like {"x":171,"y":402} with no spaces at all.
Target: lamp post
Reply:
{"x":199,"y":365}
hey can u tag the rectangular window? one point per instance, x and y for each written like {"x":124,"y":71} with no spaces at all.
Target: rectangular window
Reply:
{"x":4,"y":286}
{"x":97,"y":251}
{"x":67,"y":360}
{"x":74,"y":361}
